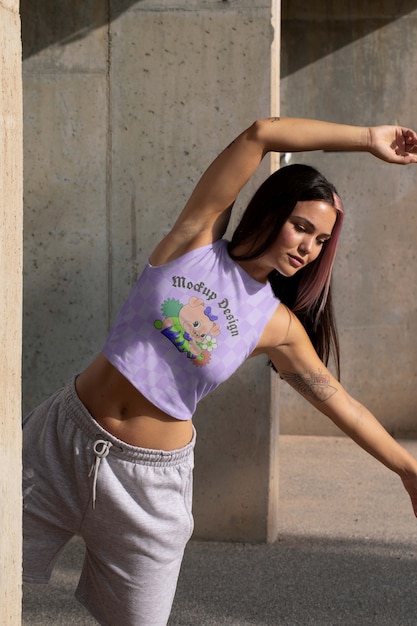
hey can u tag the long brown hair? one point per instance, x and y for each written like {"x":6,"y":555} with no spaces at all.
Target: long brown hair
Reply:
{"x":308,"y":292}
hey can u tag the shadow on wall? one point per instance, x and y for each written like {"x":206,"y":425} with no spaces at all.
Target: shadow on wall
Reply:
{"x":45,"y":23}
{"x":319,"y":28}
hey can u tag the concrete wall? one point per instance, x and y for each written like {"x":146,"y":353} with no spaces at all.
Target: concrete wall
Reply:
{"x":10,"y":319}
{"x":125,"y":105}
{"x":353,"y":62}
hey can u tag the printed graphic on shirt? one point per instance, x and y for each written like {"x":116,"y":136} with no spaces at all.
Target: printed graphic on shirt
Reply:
{"x":191,"y":327}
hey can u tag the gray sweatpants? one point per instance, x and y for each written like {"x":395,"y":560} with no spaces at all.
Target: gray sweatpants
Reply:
{"x":132,"y":507}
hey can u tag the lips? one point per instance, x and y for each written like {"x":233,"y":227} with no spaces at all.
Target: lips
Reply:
{"x":296,"y":261}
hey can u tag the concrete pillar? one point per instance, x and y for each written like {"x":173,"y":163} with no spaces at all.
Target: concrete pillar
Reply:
{"x":236,"y":475}
{"x":10,"y":318}
{"x":123,"y":112}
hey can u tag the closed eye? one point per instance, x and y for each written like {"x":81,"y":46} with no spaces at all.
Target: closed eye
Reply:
{"x":321,"y":242}
{"x":300,"y":228}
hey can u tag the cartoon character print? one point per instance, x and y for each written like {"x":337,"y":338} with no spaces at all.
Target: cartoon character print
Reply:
{"x":191,"y":327}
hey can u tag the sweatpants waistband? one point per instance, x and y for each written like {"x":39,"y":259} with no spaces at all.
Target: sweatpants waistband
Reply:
{"x":80,"y":415}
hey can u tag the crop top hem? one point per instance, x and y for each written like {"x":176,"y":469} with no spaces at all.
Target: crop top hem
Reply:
{"x":118,"y":364}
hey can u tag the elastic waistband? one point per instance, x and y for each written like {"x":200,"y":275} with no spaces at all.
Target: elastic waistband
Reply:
{"x":79,"y":414}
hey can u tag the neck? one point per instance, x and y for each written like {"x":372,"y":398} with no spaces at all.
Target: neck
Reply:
{"x":250,"y":266}
{"x":284,"y":287}
{"x":254,"y":271}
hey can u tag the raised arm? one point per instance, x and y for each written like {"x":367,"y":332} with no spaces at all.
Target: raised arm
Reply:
{"x":206,"y":214}
{"x":298,"y":364}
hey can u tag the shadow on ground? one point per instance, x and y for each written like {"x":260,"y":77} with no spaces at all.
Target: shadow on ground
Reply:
{"x":296,"y":581}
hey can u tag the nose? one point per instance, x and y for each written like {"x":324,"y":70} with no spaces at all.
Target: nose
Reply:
{"x":305,"y":246}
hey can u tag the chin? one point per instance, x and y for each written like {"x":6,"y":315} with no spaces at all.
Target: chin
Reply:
{"x":286,"y":273}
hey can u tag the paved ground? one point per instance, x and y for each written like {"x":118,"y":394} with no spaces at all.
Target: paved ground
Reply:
{"x":346,"y":554}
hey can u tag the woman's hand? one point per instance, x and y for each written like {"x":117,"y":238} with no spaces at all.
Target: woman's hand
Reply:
{"x":410,"y":484}
{"x":394,"y":144}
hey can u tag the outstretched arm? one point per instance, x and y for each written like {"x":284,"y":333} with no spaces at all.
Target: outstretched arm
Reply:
{"x":298,"y":364}
{"x":206,"y":214}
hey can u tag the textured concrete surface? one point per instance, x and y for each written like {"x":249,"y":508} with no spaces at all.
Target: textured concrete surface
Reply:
{"x":346,"y":554}
{"x":121,"y":119}
{"x":349,"y":70}
{"x":11,"y":223}
{"x":126,"y":103}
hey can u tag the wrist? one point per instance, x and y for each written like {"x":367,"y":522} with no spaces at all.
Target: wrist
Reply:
{"x":363,"y":139}
{"x":367,"y":138}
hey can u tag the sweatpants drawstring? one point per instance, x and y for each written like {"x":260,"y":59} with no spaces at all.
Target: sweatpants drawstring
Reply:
{"x":101,"y":449}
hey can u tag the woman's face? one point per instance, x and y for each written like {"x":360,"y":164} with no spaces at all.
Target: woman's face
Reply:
{"x":299,"y":242}
{"x":302,"y":237}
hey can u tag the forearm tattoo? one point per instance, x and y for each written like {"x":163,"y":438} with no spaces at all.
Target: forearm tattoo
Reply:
{"x":314,"y":386}
{"x":275,"y":119}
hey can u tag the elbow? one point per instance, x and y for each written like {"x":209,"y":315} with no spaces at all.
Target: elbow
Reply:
{"x":260,"y":132}
{"x":257,"y":133}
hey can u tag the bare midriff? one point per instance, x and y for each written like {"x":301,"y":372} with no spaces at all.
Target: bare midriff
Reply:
{"x":125,"y":413}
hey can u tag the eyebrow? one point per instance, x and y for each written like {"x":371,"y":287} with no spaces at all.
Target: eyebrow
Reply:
{"x":312,"y":226}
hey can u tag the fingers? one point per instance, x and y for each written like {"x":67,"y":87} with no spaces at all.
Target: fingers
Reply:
{"x":405,"y":146}
{"x":394,"y":144}
{"x":402,"y":145}
{"x":410,"y":140}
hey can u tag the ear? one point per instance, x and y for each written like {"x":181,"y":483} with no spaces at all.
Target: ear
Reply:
{"x":193,"y":301}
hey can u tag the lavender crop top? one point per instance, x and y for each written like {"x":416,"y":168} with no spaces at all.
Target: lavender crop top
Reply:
{"x":187,"y":326}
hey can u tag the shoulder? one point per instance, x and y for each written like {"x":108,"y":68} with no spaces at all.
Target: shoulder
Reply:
{"x":175,"y":245}
{"x":168,"y":251}
{"x":276,"y":330}
{"x":283,"y":331}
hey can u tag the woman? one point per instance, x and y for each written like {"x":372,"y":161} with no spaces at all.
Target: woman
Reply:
{"x":109,"y":457}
